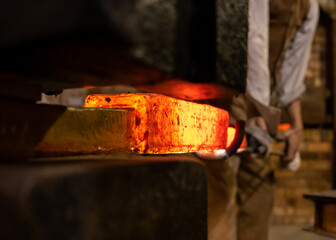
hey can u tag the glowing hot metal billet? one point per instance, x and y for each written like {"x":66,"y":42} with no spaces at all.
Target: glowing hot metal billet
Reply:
{"x":139,"y":123}
{"x":166,"y":125}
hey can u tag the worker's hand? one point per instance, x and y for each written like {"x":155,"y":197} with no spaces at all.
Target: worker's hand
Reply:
{"x":295,"y":133}
{"x":293,"y":137}
{"x":257,"y":121}
{"x":259,"y":147}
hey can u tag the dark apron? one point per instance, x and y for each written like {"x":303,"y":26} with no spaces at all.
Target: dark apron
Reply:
{"x":286,"y":17}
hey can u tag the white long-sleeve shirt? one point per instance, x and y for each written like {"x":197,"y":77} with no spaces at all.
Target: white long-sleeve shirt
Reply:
{"x":292,"y":71}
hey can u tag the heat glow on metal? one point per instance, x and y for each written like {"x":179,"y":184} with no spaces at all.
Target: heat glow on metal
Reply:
{"x":160,"y":124}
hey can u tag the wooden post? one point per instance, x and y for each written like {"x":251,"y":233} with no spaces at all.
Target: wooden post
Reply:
{"x":330,"y":24}
{"x":332,"y":41}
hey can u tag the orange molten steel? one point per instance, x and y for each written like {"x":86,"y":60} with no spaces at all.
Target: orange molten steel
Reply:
{"x":166,"y":125}
{"x":284,"y":127}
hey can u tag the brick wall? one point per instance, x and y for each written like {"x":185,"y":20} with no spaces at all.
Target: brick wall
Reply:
{"x":314,"y":99}
{"x":314,"y":175}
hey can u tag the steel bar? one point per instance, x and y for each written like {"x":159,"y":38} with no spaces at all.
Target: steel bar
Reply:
{"x":151,"y":124}
{"x":167,"y":125}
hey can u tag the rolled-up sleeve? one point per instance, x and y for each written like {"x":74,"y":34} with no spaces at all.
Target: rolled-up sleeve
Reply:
{"x":258,"y":76}
{"x":294,"y":65}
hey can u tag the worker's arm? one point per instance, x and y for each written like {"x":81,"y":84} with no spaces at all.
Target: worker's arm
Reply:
{"x":295,"y":133}
{"x":292,"y":73}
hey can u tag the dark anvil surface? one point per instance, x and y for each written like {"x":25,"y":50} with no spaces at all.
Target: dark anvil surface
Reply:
{"x":104,"y":197}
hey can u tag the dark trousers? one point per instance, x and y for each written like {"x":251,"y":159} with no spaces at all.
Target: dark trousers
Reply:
{"x":255,"y":198}
{"x":240,"y":199}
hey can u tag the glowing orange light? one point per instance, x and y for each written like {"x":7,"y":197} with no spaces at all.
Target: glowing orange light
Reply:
{"x":167,"y":125}
{"x":186,"y":90}
{"x":284,"y":127}
{"x":230,"y":136}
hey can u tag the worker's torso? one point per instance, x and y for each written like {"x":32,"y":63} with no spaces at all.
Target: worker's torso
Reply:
{"x":286,"y":17}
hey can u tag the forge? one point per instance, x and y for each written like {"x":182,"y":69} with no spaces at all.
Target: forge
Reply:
{"x":156,"y":89}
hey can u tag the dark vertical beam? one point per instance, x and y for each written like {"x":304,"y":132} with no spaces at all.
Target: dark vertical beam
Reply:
{"x":333,"y":40}
{"x":318,"y":215}
{"x":332,"y":66}
{"x":330,"y":25}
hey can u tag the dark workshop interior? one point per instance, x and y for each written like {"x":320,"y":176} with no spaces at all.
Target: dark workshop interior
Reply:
{"x":117,"y":117}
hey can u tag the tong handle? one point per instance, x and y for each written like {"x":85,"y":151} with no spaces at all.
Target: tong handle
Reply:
{"x":238,"y":138}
